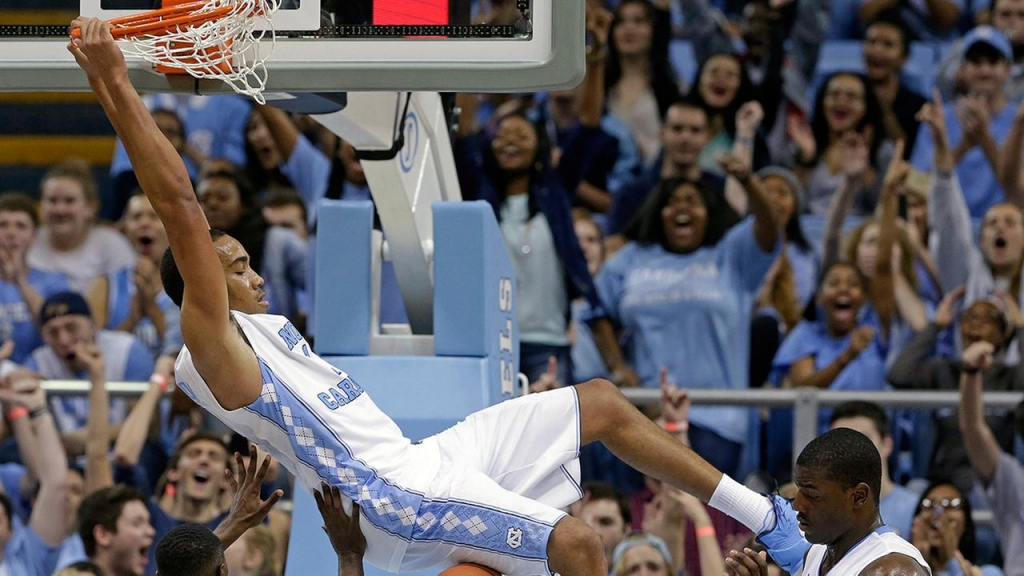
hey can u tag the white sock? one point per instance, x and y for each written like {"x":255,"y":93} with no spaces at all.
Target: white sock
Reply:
{"x":748,"y":507}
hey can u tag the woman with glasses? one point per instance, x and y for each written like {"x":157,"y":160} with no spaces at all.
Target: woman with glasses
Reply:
{"x":944,"y":533}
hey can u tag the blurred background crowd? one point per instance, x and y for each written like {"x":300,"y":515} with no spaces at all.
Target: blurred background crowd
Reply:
{"x":782,"y":193}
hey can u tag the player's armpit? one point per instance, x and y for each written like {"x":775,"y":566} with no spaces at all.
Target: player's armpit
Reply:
{"x":224,"y":359}
{"x":895,"y":564}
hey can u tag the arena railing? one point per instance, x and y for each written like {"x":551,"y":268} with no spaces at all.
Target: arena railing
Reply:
{"x":805,"y":403}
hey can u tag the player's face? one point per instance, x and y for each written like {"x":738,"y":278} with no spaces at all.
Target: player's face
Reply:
{"x":63,"y":333}
{"x":245,"y":286}
{"x":64,"y":207}
{"x":823,"y":508}
{"x":16,"y":231}
{"x":129,"y":544}
{"x":143,"y":227}
{"x":606,"y":519}
{"x":199,"y":474}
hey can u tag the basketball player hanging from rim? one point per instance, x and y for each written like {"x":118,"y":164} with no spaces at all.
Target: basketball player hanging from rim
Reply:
{"x":488,"y":489}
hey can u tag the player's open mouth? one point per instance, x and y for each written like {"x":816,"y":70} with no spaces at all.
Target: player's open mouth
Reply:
{"x":1000,"y":242}
{"x":201,"y":477}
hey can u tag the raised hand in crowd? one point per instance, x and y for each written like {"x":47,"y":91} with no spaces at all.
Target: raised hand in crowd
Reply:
{"x":1011,"y":168}
{"x":24,"y":403}
{"x":1010,"y":308}
{"x":343,"y":530}
{"x":248,"y":509}
{"x":766,"y":229}
{"x":665,"y":518}
{"x":860,"y":340}
{"x":549,"y":379}
{"x":945,"y":313}
{"x":746,"y":562}
{"x":975,"y":118}
{"x":748,"y":120}
{"x":802,"y":136}
{"x":675,"y":409}
{"x":933,"y":114}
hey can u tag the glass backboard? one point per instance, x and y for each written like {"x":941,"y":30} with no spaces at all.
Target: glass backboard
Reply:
{"x":339,"y":45}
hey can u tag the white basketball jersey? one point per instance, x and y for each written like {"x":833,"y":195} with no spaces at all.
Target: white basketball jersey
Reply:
{"x":879,"y":543}
{"x":321,"y":426}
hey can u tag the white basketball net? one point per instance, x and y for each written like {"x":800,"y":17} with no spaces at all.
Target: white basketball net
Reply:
{"x":225,"y":48}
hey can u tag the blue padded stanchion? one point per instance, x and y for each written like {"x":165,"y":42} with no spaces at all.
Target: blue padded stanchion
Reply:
{"x":476,"y":340}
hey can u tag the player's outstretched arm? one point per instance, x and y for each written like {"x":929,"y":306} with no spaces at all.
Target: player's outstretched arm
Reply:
{"x":159,"y":168}
{"x":221,"y":356}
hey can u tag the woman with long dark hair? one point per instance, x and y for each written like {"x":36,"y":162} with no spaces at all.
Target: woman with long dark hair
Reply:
{"x":845,"y":106}
{"x":723,"y":87}
{"x":513,"y":169}
{"x":639,"y":81}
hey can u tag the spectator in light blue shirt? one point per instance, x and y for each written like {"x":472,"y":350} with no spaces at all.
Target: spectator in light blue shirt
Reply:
{"x":66,"y":322}
{"x":978,"y":121}
{"x":22,"y":288}
{"x":33,"y":549}
{"x":683,"y":292}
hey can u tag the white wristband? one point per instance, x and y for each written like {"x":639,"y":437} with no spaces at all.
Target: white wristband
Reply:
{"x":748,"y":507}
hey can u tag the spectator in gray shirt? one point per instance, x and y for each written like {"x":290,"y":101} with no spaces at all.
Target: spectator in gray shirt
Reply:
{"x":1000,"y":473}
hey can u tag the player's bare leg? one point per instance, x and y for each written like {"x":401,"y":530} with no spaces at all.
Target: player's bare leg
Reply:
{"x":574,"y":549}
{"x":607,"y":417}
